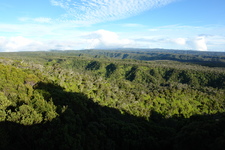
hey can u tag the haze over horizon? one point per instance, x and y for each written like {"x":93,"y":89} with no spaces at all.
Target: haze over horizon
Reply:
{"x":90,"y":24}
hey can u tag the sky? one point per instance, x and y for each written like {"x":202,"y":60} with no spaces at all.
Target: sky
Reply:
{"x":42,"y":25}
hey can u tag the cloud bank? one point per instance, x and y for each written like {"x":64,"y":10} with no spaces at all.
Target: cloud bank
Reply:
{"x":18,"y":43}
{"x":102,"y":39}
{"x":96,"y":11}
{"x":197,"y":43}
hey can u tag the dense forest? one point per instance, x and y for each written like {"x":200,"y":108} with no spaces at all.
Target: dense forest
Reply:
{"x":112,"y":99}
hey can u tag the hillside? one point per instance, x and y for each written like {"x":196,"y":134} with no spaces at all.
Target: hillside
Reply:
{"x":101,"y":99}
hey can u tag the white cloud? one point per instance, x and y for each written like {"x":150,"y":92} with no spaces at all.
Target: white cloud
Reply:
{"x":194,"y":43}
{"x":215,"y":41}
{"x":18,"y":43}
{"x":202,"y":38}
{"x":85,"y":40}
{"x":96,"y":39}
{"x":179,"y":41}
{"x":198,"y":43}
{"x":106,"y":39}
{"x":95,"y":11}
{"x":47,"y":37}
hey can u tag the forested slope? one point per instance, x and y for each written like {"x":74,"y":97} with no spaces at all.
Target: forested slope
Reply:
{"x":74,"y":100}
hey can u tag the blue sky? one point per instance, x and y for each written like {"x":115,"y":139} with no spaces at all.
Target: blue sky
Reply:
{"x":27,"y":25}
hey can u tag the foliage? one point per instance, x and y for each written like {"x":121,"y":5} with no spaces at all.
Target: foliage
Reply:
{"x":108,"y":100}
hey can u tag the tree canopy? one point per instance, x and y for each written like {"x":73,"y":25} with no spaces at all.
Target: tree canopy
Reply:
{"x":97,"y":99}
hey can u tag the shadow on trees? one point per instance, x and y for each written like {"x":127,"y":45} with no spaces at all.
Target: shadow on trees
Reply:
{"x":83,"y":124}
